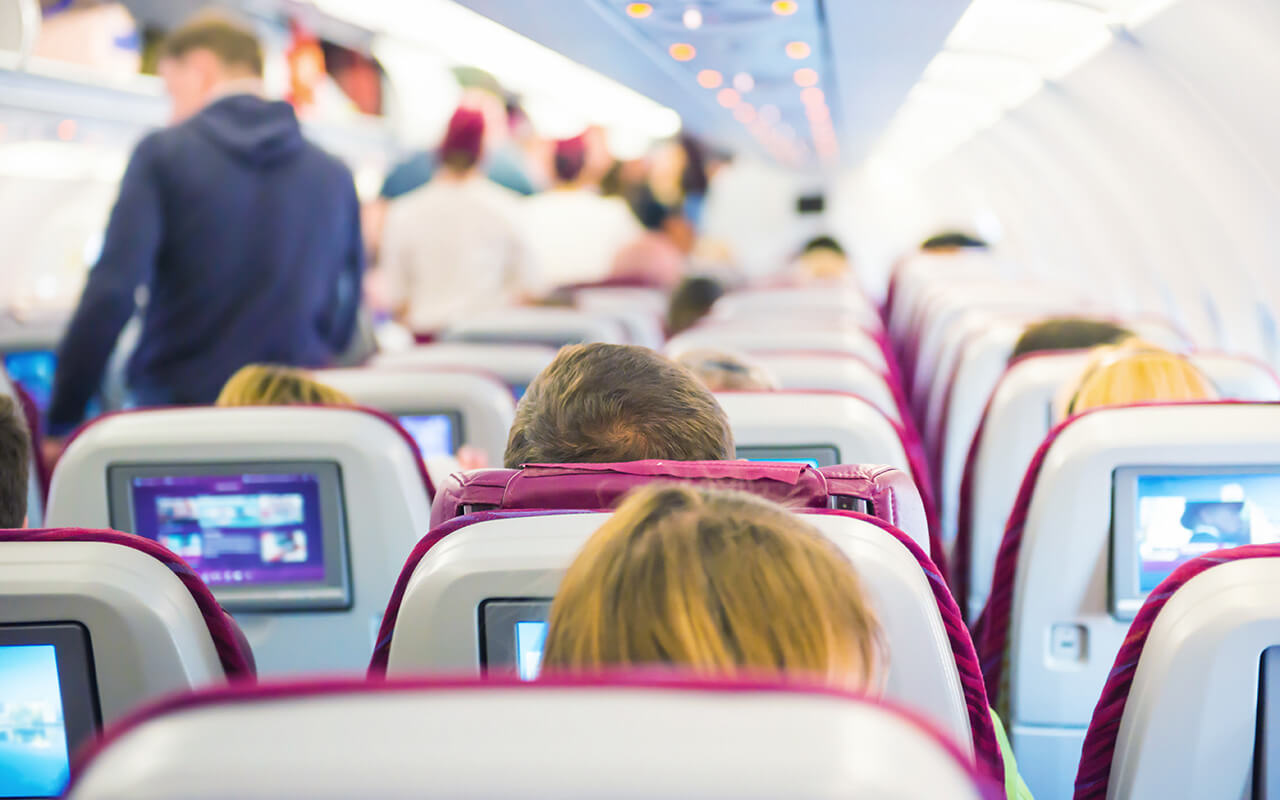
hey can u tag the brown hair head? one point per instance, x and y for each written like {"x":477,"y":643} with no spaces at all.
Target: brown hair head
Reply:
{"x":235,"y":45}
{"x":599,"y":403}
{"x":15,"y":463}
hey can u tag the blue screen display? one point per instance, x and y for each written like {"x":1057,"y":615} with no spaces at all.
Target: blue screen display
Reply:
{"x":33,"y":371}
{"x":1181,"y":517}
{"x":33,"y":734}
{"x":432,"y":432}
{"x":813,"y":462}
{"x":518,"y":390}
{"x":530,"y":638}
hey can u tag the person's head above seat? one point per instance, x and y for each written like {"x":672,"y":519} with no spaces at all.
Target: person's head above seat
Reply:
{"x":463,"y":142}
{"x":15,"y":463}
{"x":718,"y":583}
{"x":569,"y":159}
{"x":1136,"y":372}
{"x":1068,"y":333}
{"x":272,"y":385}
{"x":602,"y":403}
{"x":692,"y":300}
{"x":204,"y":54}
{"x":823,"y":259}
{"x":723,"y":371}
{"x":952,"y":242}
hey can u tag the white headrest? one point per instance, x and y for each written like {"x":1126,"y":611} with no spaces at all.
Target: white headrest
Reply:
{"x":517,"y":364}
{"x":1020,"y":416}
{"x":148,"y":637}
{"x":761,"y":303}
{"x":385,"y":502}
{"x":917,"y":274}
{"x":830,"y":372}
{"x":860,"y":432}
{"x":531,"y":742}
{"x":640,"y":311}
{"x":485,"y":404}
{"x":539,"y":325}
{"x":1199,"y":672}
{"x":764,"y":338}
{"x":526,"y":557}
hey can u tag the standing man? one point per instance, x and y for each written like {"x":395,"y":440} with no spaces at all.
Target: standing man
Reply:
{"x":246,"y":237}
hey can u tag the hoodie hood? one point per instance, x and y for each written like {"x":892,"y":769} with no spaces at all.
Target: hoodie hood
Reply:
{"x":258,"y":132}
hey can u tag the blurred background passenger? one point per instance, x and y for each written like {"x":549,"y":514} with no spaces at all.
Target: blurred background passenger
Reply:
{"x":603,"y":403}
{"x":1068,"y":333}
{"x":1136,"y":372}
{"x":658,"y":257}
{"x":453,"y":247}
{"x":691,"y":301}
{"x":574,"y":231}
{"x":722,"y":371}
{"x":217,"y":219}
{"x":822,"y":260}
{"x":952,"y":242}
{"x":274,"y":385}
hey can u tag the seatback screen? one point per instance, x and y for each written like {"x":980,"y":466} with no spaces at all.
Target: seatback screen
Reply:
{"x":245,"y":530}
{"x":33,"y":370}
{"x":435,"y":434}
{"x":814,"y":456}
{"x":48,"y":706}
{"x":512,"y":635}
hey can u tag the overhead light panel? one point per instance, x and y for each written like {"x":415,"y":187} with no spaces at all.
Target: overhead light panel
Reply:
{"x":692,"y":18}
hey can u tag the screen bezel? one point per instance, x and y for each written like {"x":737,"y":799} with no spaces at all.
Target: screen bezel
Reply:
{"x":497,"y":618}
{"x":77,"y":681}
{"x":821,"y":452}
{"x":456,"y":437}
{"x":331,"y":594}
{"x":1266,"y":776}
{"x":1126,"y":595}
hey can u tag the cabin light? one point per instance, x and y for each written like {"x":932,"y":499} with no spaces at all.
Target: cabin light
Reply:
{"x":1050,"y":35}
{"x":728,"y":98}
{"x":639,"y":10}
{"x":813,"y":96}
{"x":743,"y":82}
{"x":67,"y":130}
{"x":692,"y":18}
{"x":806,"y":77}
{"x":798,"y":50}
{"x":770,"y":114}
{"x":785,"y":8}
{"x":744,"y":113}
{"x":682,"y":51}
{"x":1004,"y":81}
{"x":710,"y":79}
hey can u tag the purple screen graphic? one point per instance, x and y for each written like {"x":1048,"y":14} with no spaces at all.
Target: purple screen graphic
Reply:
{"x":236,"y":529}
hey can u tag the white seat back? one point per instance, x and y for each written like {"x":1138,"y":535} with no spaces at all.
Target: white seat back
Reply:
{"x":760,"y":338}
{"x":436,"y":629}
{"x":517,"y":364}
{"x":759,"y":304}
{"x":554,"y":327}
{"x":1019,"y":416}
{"x":1063,"y":632}
{"x":147,"y":635}
{"x":480,"y":405}
{"x":384,"y":502}
{"x":856,"y":430}
{"x":697,"y":741}
{"x":829,"y":372}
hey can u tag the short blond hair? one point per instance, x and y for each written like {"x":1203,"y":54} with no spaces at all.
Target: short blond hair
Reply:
{"x":715,"y":582}
{"x":271,"y":385}
{"x":1137,"y":372}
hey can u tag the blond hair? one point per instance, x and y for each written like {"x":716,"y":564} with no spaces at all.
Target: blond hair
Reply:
{"x":723,"y":371}
{"x":716,"y":582}
{"x":1137,"y":372}
{"x":270,"y":385}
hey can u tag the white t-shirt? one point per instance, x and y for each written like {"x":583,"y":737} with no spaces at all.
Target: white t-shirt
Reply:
{"x":453,"y":248}
{"x":575,"y":234}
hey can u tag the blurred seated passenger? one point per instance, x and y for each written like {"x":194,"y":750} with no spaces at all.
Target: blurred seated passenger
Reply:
{"x":952,"y":242}
{"x":1136,"y":372}
{"x":15,"y":463}
{"x":574,"y":231}
{"x":273,"y":385}
{"x":722,"y":371}
{"x":720,"y":583}
{"x":822,"y":260}
{"x":1068,"y":333}
{"x":603,"y":403}
{"x":453,"y":247}
{"x":658,"y":257}
{"x":691,"y":301}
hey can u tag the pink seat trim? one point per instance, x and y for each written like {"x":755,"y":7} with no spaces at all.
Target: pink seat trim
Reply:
{"x":1094,"y":775}
{"x":989,"y":789}
{"x":229,"y":641}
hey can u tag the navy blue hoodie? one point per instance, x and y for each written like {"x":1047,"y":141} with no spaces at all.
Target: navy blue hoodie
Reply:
{"x":248,"y":239}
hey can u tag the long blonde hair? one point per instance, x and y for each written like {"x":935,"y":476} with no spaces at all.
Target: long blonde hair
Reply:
{"x":1137,"y":372}
{"x":271,"y":385}
{"x":716,"y":582}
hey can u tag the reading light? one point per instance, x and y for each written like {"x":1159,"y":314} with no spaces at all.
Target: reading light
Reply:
{"x":682,"y":51}
{"x":806,"y":77}
{"x":743,"y":82}
{"x":798,"y":50}
{"x":639,"y":10}
{"x":728,"y":98}
{"x":710,"y":79}
{"x":785,"y":8}
{"x":692,"y":19}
